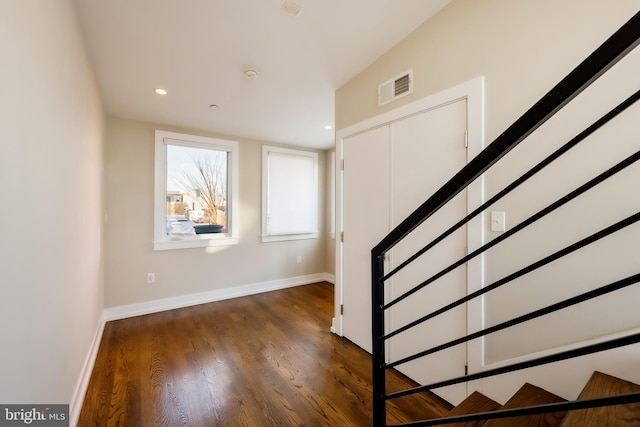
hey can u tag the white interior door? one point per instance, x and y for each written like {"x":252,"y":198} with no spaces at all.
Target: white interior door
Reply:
{"x":365,"y":222}
{"x":426,"y":150}
{"x":393,"y":163}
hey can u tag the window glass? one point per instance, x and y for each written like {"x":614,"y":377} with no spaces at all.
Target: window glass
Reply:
{"x":196,"y":190}
{"x":196,"y":182}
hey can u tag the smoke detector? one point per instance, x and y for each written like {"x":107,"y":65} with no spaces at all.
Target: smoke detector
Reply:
{"x":250,"y":73}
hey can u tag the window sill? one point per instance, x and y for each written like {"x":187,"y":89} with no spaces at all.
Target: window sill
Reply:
{"x":283,"y":237}
{"x":182,"y":242}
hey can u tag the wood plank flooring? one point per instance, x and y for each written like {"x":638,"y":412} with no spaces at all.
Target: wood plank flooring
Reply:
{"x":262,"y":360}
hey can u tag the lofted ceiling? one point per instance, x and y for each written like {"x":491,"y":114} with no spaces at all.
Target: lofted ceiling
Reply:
{"x":198,"y":50}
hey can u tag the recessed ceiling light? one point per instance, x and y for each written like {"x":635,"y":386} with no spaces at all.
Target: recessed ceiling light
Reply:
{"x":160,"y":91}
{"x":328,"y":127}
{"x":214,"y":106}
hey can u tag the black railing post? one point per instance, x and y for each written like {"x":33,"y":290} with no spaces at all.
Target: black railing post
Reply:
{"x":377,"y":341}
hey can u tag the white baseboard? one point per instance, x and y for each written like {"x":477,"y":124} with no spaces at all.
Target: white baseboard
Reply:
{"x":81,"y":388}
{"x":331,"y":278}
{"x":131,"y":310}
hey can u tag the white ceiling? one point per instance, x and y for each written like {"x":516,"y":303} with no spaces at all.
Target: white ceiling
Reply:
{"x":198,"y":49}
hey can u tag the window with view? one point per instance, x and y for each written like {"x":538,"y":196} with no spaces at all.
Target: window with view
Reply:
{"x":195,"y":191}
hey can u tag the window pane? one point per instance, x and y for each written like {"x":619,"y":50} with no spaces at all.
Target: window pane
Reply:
{"x":196,"y":183}
{"x":196,"y":190}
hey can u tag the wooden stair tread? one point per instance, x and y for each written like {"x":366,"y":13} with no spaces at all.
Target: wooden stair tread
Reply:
{"x":474,"y":403}
{"x":530,"y":395}
{"x":600,"y":385}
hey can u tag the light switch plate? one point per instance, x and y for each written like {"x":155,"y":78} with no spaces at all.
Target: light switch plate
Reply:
{"x":498,"y":221}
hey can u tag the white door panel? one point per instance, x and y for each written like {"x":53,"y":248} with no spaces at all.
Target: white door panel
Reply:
{"x":365,"y":223}
{"x":389,"y":171}
{"x":427,"y":150}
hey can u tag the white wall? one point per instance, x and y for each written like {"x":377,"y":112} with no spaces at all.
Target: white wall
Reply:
{"x":523,"y":49}
{"x":129,"y":161}
{"x":606,"y":261}
{"x":51,"y":268}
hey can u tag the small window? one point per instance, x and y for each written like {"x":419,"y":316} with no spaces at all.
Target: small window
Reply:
{"x":289,"y":194}
{"x":195,"y":191}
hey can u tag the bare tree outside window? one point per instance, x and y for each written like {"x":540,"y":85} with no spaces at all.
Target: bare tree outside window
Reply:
{"x":200,"y":175}
{"x":207,"y":181}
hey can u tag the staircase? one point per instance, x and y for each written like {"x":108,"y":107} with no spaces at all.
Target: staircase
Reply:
{"x":600,"y":385}
{"x":605,"y":400}
{"x":620,"y":415}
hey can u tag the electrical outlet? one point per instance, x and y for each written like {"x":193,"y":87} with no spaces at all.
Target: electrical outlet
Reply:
{"x":151,"y":277}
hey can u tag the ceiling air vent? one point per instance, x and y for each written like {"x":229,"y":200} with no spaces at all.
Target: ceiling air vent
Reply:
{"x":395,"y":88}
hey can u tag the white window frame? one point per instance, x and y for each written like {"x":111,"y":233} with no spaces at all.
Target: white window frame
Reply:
{"x":163,"y":241}
{"x":266,"y":236}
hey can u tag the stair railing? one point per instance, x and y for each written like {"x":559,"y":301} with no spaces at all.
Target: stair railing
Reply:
{"x":602,"y":59}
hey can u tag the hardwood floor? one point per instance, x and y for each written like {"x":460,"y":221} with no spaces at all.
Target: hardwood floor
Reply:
{"x":262,"y":360}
